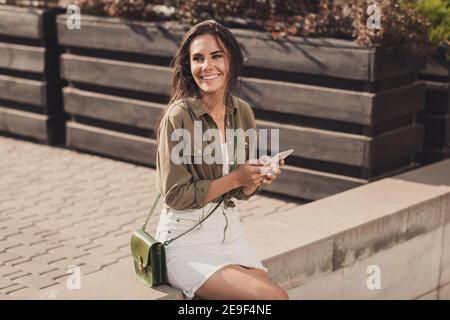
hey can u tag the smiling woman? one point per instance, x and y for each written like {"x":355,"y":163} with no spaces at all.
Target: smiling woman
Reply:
{"x":214,"y":260}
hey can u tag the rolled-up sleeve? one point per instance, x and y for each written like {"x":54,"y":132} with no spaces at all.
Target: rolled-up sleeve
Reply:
{"x":176,"y":182}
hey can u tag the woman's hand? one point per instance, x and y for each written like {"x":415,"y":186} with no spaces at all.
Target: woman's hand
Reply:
{"x":252,"y":173}
{"x":249,"y":174}
{"x":272,"y":172}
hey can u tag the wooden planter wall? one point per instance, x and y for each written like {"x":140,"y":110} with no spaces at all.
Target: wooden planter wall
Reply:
{"x":30,"y":89}
{"x":436,"y":116}
{"x":348,"y":111}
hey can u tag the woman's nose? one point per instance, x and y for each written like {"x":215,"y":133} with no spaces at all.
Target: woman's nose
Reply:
{"x":206,"y":64}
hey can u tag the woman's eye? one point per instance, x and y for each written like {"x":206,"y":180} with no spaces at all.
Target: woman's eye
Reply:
{"x":217,"y":56}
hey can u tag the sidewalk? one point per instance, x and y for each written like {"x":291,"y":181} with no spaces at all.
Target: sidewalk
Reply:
{"x":60,"y":208}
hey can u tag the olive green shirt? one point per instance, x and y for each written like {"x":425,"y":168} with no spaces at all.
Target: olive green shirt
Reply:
{"x":186,"y":185}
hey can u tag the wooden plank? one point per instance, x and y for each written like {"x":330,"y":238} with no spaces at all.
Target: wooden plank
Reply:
{"x":437,"y":97}
{"x":307,"y":100}
{"x":334,"y":104}
{"x":116,"y":74}
{"x":24,"y":123}
{"x":437,"y":130}
{"x":310,"y":184}
{"x":110,"y":143}
{"x":391,"y":62}
{"x":23,"y":90}
{"x":137,"y":113}
{"x":398,"y":102}
{"x":319,"y":144}
{"x":436,"y":68}
{"x":395,"y":144}
{"x":133,"y":36}
{"x":339,"y":62}
{"x":21,"y":22}
{"x":22,"y":58}
{"x":428,"y":155}
{"x":344,"y":148}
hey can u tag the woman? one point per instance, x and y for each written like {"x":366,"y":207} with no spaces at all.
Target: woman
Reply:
{"x":213,"y":261}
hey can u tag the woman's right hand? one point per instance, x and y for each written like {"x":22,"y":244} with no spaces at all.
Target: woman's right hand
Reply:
{"x":249,"y":174}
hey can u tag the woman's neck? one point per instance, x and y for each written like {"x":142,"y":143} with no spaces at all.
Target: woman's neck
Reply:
{"x":214,"y":105}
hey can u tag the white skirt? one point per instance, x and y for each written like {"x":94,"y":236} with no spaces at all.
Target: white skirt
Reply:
{"x":195,"y":256}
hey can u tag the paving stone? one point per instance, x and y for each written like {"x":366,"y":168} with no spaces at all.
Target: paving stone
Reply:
{"x":8,"y":257}
{"x":4,"y":283}
{"x":8,"y":232}
{"x":25,"y":251}
{"x":17,"y":275}
{"x":26,"y":238}
{"x":68,"y":251}
{"x":35,"y":281}
{"x":59,"y":237}
{"x":45,"y":245}
{"x":47,"y":258}
{"x":11,"y":289}
{"x":7,"y":243}
{"x":35,"y":267}
{"x":27,"y":293}
{"x":6,"y":270}
{"x":19,"y":224}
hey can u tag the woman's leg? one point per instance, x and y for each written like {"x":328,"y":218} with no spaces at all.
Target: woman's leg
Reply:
{"x":236,"y":282}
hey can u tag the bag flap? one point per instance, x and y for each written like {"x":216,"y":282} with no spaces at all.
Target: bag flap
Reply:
{"x":141,"y":245}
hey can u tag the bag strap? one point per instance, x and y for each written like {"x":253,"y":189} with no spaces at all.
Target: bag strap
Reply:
{"x":158,"y":196}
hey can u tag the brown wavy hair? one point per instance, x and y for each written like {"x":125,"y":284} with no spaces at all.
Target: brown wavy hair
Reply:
{"x":183,"y":83}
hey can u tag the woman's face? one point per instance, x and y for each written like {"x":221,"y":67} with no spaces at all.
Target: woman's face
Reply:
{"x":209,"y":64}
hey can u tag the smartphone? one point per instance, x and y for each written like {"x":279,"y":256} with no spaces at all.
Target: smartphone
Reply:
{"x":278,"y":157}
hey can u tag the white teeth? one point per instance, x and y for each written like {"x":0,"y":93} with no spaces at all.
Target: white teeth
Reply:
{"x":210,"y":77}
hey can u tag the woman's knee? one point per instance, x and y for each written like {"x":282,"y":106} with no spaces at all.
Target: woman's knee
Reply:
{"x":276,"y":293}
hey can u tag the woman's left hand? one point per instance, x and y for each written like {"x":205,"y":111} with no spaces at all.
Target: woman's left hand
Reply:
{"x":272,"y":173}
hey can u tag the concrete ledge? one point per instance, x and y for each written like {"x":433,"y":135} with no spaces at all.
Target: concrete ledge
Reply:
{"x":330,"y":241}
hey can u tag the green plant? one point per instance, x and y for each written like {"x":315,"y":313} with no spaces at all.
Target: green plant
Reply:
{"x":438,"y":13}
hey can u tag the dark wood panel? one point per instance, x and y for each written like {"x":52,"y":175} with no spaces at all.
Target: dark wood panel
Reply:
{"x":24,"y":123}
{"x":126,"y":111}
{"x":116,"y":74}
{"x":22,"y":58}
{"x":114,"y":144}
{"x":437,"y":130}
{"x":318,"y":144}
{"x":310,"y":184}
{"x":21,"y":22}
{"x":23,"y":90}
{"x":395,"y":144}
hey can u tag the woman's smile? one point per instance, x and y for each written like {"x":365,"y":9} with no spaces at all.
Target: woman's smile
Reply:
{"x":210,"y":79}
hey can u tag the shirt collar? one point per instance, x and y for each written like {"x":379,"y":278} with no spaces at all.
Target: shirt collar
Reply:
{"x":197,"y":106}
